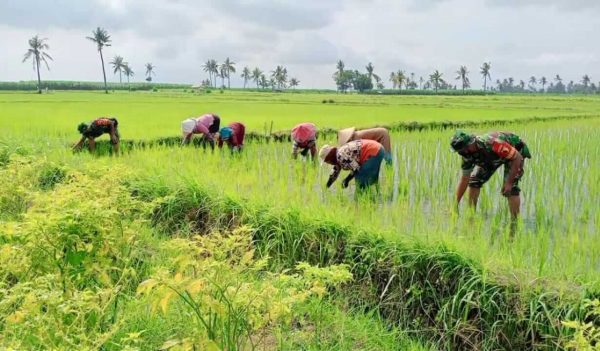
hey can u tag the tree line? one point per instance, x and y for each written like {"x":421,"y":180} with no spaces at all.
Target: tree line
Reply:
{"x":345,"y":79}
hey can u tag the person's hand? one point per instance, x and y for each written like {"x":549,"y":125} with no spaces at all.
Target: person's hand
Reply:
{"x":114,"y":140}
{"x":345,"y":183}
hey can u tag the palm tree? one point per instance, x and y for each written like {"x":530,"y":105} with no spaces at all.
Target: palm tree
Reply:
{"x":558,"y":79}
{"x":279,"y":76}
{"x":586,"y":81}
{"x":118,"y":66}
{"x":485,"y":72}
{"x":246,"y":74}
{"x":543,"y":80}
{"x":229,"y":67}
{"x":222,"y":73}
{"x":294,"y":83}
{"x":436,"y":79}
{"x":462,"y":74}
{"x":400,"y":79}
{"x":532,"y":82}
{"x":149,"y":71}
{"x":37,"y":51}
{"x":128,"y":73}
{"x":264,"y":83}
{"x":421,"y":80}
{"x":340,"y":68}
{"x":370,"y":69}
{"x":102,"y":39}
{"x":393,"y":80}
{"x":208,"y":68}
{"x":256,"y":75}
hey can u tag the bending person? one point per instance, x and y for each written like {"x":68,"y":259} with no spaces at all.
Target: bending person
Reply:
{"x":380,"y":135}
{"x":361,"y":157}
{"x":304,"y":137}
{"x":233,"y":135}
{"x":207,"y":125}
{"x":96,"y":128}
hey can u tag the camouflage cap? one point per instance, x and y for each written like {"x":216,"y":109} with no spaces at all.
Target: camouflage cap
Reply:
{"x":461,"y":139}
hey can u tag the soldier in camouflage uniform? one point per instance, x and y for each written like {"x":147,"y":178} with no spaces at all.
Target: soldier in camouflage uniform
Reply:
{"x":482,"y":156}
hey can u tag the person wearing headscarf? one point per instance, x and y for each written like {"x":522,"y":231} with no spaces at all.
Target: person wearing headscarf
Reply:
{"x":206,"y":125}
{"x":233,"y":135}
{"x":380,"y":135}
{"x":304,"y":139}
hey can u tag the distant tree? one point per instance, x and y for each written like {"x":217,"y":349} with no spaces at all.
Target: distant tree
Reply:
{"x":421,"y":80}
{"x":294,"y":83}
{"x":209,"y":67}
{"x":256,"y":76}
{"x":222,"y":73}
{"x":532,"y":82}
{"x":149,"y":71}
{"x":585,"y":80}
{"x":37,"y":52}
{"x":522,"y":84}
{"x":279,"y":76}
{"x":370,"y":69}
{"x":118,"y":66}
{"x":128,"y":73}
{"x":544,"y":81}
{"x":436,"y":79}
{"x":362,"y":82}
{"x":393,"y":80}
{"x":344,"y":80}
{"x":246,"y":74}
{"x":264,"y":82}
{"x":485,"y":72}
{"x":462,"y":74}
{"x":228,"y":67}
{"x":558,"y":79}
{"x":400,"y":79}
{"x":412,"y":78}
{"x":340,"y":67}
{"x":102,"y":39}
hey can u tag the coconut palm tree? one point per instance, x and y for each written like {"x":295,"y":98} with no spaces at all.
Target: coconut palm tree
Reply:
{"x":222,"y":73}
{"x":229,"y":68}
{"x":256,"y":75}
{"x":294,"y":83}
{"x":400,"y":79}
{"x":102,"y":39}
{"x":393,"y":80}
{"x":485,"y":72}
{"x":118,"y":66}
{"x":263,"y":81}
{"x":128,"y":73}
{"x":585,"y":80}
{"x":436,"y":79}
{"x":421,"y":80}
{"x":246,"y":74}
{"x":340,"y":66}
{"x":544,"y":81}
{"x":208,"y":68}
{"x":462,"y":74}
{"x":149,"y":71}
{"x":37,"y":52}
{"x":279,"y":76}
{"x":532,"y":81}
{"x":558,"y":79}
{"x":370,"y":69}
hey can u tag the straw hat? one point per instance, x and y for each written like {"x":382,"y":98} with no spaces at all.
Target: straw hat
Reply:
{"x":325,"y":150}
{"x":345,"y":135}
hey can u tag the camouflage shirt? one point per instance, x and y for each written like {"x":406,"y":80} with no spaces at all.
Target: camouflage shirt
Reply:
{"x":494,"y":149}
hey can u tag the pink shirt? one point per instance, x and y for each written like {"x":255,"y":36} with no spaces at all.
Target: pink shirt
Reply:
{"x":203,"y":123}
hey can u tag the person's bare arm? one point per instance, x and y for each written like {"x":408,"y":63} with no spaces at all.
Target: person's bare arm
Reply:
{"x":113,"y":134}
{"x":463,"y":183}
{"x":515,"y":168}
{"x":79,"y":143}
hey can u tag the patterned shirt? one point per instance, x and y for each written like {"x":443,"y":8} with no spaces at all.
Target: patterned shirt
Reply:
{"x":494,"y":149}
{"x":348,"y":158}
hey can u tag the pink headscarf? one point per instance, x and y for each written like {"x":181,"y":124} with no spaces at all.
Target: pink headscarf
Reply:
{"x":304,"y":132}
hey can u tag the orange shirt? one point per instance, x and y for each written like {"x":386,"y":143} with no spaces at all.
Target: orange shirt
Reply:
{"x":368,"y":149}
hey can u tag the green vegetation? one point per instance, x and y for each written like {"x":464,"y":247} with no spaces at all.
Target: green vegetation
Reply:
{"x":185,"y":237}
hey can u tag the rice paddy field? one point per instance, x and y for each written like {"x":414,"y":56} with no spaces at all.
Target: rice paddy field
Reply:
{"x":424,"y":276}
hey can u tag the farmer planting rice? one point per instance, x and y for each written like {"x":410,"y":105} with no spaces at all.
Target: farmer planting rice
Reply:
{"x":361,"y":157}
{"x":380,"y":135}
{"x":481,"y":157}
{"x":95,"y":129}
{"x":207,"y":124}
{"x":304,"y":136}
{"x":233,"y":135}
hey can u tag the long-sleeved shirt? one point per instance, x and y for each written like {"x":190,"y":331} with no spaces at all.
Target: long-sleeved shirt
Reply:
{"x":202,"y":124}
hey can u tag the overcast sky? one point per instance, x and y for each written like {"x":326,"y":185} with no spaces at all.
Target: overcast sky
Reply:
{"x":519,"y":37}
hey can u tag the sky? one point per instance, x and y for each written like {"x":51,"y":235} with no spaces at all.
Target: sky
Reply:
{"x":520,"y":38}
